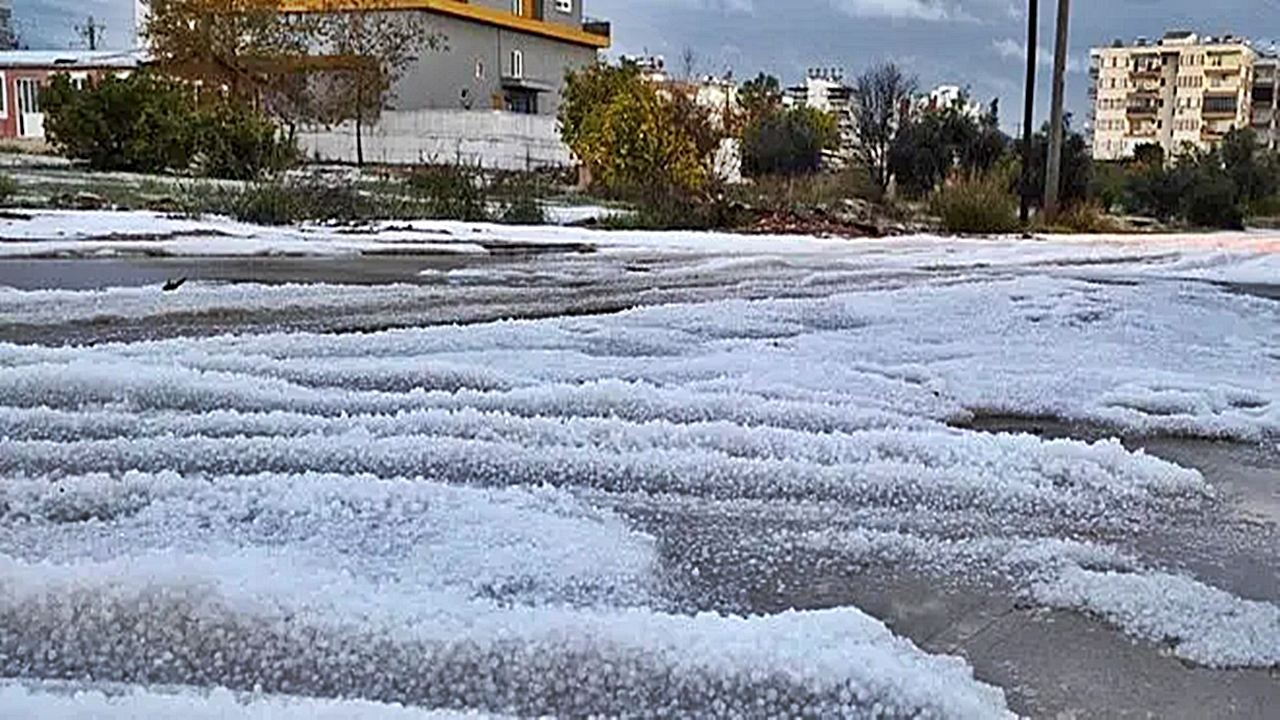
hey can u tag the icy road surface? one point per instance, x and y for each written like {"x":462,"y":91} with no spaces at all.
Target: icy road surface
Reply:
{"x":631,"y":513}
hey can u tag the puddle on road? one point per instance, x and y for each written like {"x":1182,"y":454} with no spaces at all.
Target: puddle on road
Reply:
{"x":1234,"y":546}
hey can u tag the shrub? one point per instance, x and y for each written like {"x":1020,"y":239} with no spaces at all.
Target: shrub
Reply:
{"x":451,"y":192}
{"x":148,"y":123}
{"x":139,"y":123}
{"x":1212,"y":201}
{"x":980,"y":204}
{"x":283,"y":202}
{"x":237,"y":143}
{"x":524,"y":210}
{"x":8,"y":188}
{"x":787,"y":142}
{"x":1086,"y":217}
{"x":1110,"y":186}
{"x":675,"y":211}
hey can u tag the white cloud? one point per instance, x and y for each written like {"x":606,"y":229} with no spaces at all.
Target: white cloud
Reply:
{"x":746,"y":7}
{"x":906,"y":9}
{"x":1011,"y":49}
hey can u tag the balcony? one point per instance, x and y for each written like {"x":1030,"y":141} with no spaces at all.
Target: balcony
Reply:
{"x":1209,"y":112}
{"x":1142,"y":104}
{"x":603,"y":28}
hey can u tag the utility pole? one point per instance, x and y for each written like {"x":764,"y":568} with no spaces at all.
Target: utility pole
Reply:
{"x":1029,"y":107}
{"x":1053,"y":164}
{"x":91,"y":32}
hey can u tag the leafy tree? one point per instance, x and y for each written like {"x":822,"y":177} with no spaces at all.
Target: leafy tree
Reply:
{"x":1206,"y":188}
{"x":149,"y":123}
{"x":631,"y":137}
{"x":938,"y":142}
{"x":760,"y":96}
{"x":883,"y":97}
{"x":1253,"y":169}
{"x":139,"y":123}
{"x":240,"y":46}
{"x":788,"y":142}
{"x":1149,"y":155}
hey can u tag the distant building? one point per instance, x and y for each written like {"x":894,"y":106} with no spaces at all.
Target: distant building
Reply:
{"x":509,"y":55}
{"x":824,"y":89}
{"x":1181,"y":90}
{"x":1266,"y":95}
{"x":8,"y":39}
{"x":652,"y":67}
{"x":23,"y":72}
{"x":949,"y":96}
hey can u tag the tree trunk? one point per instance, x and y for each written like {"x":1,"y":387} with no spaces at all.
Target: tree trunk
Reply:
{"x":359,"y":139}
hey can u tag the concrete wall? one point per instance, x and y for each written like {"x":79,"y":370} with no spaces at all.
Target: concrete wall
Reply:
{"x":497,"y":140}
{"x":542,"y":10}
{"x":468,"y":73}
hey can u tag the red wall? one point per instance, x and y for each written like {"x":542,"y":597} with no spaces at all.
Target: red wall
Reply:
{"x":9,"y":121}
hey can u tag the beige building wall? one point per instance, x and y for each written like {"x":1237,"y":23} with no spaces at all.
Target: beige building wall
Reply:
{"x":1180,"y":91}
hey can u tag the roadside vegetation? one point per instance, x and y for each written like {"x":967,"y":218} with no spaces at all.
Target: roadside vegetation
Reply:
{"x":210,"y":127}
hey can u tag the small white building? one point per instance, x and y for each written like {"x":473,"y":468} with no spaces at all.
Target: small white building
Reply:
{"x":946,"y":96}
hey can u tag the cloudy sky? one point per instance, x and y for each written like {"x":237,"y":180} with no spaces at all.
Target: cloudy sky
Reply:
{"x":974,"y":43}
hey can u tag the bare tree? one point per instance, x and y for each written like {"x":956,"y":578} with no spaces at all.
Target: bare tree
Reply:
{"x":689,"y":62}
{"x":883,"y":97}
{"x":386,"y":42}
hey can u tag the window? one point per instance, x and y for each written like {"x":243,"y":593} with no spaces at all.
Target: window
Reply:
{"x":517,"y":7}
{"x":479,"y":69}
{"x":564,"y":6}
{"x":517,"y":64}
{"x":4,"y":96}
{"x":28,"y":96}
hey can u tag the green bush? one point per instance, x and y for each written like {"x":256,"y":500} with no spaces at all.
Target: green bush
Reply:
{"x":451,"y":192}
{"x":236,"y":143}
{"x":294,"y":201}
{"x":1212,"y":200}
{"x":788,"y":142}
{"x":982,"y":205}
{"x":524,"y":210}
{"x":148,"y":123}
{"x":1110,"y":185}
{"x":680,"y":211}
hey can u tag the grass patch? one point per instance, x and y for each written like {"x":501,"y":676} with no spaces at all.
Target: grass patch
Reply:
{"x":8,"y":188}
{"x":980,"y":205}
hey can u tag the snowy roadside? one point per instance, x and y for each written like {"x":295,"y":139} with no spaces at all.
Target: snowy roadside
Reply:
{"x":98,"y":701}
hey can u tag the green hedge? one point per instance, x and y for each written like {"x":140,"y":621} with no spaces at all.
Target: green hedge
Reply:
{"x":148,"y":123}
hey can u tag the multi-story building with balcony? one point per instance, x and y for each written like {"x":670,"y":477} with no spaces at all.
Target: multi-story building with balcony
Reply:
{"x":498,"y":54}
{"x":1266,"y":95}
{"x":1181,"y":90}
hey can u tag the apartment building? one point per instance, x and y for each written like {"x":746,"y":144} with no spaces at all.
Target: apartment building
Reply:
{"x":825,"y":90}
{"x":1266,"y":95}
{"x":1179,"y":90}
{"x":507,"y":55}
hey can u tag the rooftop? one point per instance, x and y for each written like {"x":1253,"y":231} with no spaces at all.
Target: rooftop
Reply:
{"x":72,"y":58}
{"x":1181,"y":38}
